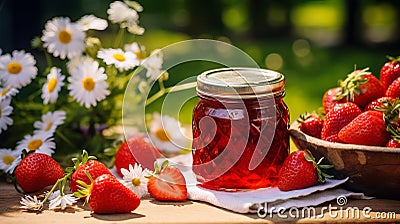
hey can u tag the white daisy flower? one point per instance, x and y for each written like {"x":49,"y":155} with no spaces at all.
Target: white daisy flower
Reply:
{"x":56,"y":199}
{"x":63,"y":38}
{"x":19,"y":70}
{"x":122,"y":60}
{"x":40,"y":142}
{"x":153,"y":64}
{"x":135,"y":179}
{"x":137,"y":49}
{"x":50,"y":121}
{"x":5,"y":111}
{"x":7,"y":157}
{"x":52,"y":86}
{"x":8,"y":92}
{"x":91,"y":22}
{"x":31,"y":203}
{"x":88,"y":84}
{"x":74,"y":62}
{"x":167,"y":134}
{"x":15,"y":163}
{"x":121,"y":13}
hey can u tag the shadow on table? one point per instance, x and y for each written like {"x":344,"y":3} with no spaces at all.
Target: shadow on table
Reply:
{"x":177,"y":203}
{"x":117,"y":217}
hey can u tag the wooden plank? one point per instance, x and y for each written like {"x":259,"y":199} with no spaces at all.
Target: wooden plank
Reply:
{"x":151,"y":211}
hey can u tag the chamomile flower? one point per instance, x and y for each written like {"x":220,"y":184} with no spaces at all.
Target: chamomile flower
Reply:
{"x":17,"y":70}
{"x":74,"y":62}
{"x":41,"y":142}
{"x":135,"y":179}
{"x":167,"y":134}
{"x":153,"y":65}
{"x":7,"y":157}
{"x":63,"y":38}
{"x":52,"y":86}
{"x":137,"y":49}
{"x":122,"y":60}
{"x":50,"y":121}
{"x":119,"y":12}
{"x":31,"y":203}
{"x":15,"y":162}
{"x":56,"y":199}
{"x":8,"y":92}
{"x":91,"y":22}
{"x":5,"y":111}
{"x":88,"y":84}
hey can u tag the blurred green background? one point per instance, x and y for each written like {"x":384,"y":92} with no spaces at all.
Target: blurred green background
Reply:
{"x":313,"y":43}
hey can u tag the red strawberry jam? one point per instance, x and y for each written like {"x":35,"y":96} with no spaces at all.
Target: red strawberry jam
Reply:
{"x":240,"y":129}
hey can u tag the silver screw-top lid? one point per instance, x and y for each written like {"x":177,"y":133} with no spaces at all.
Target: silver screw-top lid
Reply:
{"x":240,"y":83}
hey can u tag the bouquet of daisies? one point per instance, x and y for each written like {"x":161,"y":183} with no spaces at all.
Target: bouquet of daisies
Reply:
{"x":71,"y":103}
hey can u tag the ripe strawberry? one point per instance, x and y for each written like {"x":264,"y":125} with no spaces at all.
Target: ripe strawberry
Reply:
{"x":167,"y":184}
{"x":394,"y":89}
{"x":299,"y":170}
{"x":311,"y":125}
{"x":329,"y":100}
{"x":338,"y":117}
{"x":136,"y":150}
{"x":368,"y":128}
{"x":37,"y":171}
{"x":378,"y":103}
{"x":361,"y":87}
{"x":390,"y":71}
{"x":107,"y":195}
{"x":88,"y":164}
{"x":393,"y":144}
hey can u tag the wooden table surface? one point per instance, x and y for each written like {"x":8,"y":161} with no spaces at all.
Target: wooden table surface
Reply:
{"x":151,"y":211}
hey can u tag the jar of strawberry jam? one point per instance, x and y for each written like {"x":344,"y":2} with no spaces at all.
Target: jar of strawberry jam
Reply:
{"x":240,"y":129}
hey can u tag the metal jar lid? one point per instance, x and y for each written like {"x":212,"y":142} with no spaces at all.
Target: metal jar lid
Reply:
{"x":241,"y":83}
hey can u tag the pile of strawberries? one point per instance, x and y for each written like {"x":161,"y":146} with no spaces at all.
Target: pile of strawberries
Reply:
{"x":362,"y":110}
{"x":93,"y":181}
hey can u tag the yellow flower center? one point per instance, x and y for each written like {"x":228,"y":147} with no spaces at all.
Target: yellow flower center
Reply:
{"x":162,"y":135}
{"x":14,"y":67}
{"x":119,"y":57}
{"x":7,"y":159}
{"x":48,"y":126}
{"x":135,"y":182}
{"x":88,"y":84}
{"x":52,"y":85}
{"x":140,"y":55}
{"x":4,"y":92}
{"x":64,"y":37}
{"x":34,"y":144}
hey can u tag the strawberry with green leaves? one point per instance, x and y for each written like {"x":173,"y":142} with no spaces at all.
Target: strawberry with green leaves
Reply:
{"x":360,"y":87}
{"x":167,"y":184}
{"x":338,"y":117}
{"x":106,"y":195}
{"x":90,"y":165}
{"x":136,"y":150}
{"x":390,"y":71}
{"x":300,"y":170}
{"x":378,"y":103}
{"x":311,"y":124}
{"x":368,"y":128}
{"x":37,"y":171}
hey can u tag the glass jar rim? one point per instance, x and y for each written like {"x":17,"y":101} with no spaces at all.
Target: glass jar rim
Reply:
{"x":241,"y":83}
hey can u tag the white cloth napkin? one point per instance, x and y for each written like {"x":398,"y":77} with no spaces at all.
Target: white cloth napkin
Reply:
{"x":251,"y":201}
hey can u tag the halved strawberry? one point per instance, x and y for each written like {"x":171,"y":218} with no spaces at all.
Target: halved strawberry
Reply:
{"x":167,"y":184}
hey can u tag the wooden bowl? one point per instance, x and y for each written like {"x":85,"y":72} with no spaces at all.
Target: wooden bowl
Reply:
{"x":372,"y":170}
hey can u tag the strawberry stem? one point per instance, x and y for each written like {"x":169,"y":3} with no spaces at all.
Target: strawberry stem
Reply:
{"x":350,"y":85}
{"x":319,"y":167}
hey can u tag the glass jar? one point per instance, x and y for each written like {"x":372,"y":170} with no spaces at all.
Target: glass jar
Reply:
{"x":240,"y":129}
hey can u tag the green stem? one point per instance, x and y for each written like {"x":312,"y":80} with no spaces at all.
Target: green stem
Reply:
{"x":48,"y":59}
{"x":164,"y":90}
{"x":120,"y":37}
{"x":59,"y":181}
